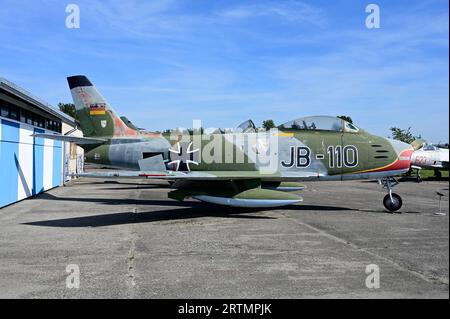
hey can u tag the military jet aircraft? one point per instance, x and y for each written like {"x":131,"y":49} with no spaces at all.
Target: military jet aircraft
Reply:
{"x":431,"y":157}
{"x":244,"y":168}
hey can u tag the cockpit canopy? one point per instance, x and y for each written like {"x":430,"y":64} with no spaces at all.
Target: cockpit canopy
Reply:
{"x":430,"y":147}
{"x":320,"y":123}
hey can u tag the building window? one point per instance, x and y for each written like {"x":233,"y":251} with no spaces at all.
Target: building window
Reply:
{"x":8,"y":110}
{"x":15,"y":112}
{"x":4,"y":111}
{"x":53,"y":125}
{"x":29,"y":118}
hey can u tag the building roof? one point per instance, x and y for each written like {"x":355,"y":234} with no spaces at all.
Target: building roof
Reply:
{"x":35,"y":101}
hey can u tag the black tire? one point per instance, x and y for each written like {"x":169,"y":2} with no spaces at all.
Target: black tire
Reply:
{"x":392,"y":205}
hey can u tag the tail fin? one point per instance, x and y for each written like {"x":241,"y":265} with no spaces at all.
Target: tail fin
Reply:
{"x":96,"y":116}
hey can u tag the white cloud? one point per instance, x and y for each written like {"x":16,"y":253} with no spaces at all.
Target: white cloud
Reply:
{"x":291,"y":11}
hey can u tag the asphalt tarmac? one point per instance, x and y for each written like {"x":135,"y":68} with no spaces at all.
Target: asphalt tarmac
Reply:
{"x":129,"y":241}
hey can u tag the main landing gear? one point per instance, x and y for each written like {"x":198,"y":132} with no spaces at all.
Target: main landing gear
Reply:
{"x":418,"y":177}
{"x":437,"y":173}
{"x":392,"y":202}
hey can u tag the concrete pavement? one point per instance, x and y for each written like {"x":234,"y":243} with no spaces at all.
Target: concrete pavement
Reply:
{"x":130,"y":241}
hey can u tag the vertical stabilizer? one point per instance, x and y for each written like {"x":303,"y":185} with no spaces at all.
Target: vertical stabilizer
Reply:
{"x":96,"y":116}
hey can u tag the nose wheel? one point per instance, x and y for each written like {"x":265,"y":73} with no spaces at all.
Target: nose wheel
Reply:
{"x":392,"y":201}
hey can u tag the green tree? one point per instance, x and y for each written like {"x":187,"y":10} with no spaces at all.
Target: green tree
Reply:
{"x":346,"y":118}
{"x":68,"y":108}
{"x":268,"y":124}
{"x":403,"y":135}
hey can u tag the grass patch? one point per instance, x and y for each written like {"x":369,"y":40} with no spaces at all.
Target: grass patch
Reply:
{"x":428,"y":175}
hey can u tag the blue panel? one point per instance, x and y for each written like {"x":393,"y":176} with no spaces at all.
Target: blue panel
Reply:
{"x":57,"y":153}
{"x":9,"y":152}
{"x":38,"y":163}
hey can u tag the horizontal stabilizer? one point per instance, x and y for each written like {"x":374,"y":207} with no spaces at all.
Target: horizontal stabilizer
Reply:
{"x":70,"y":139}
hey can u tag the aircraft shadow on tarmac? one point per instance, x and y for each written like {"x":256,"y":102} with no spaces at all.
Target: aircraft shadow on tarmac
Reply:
{"x":127,"y":186}
{"x":137,"y":218}
{"x":188,"y":210}
{"x":138,"y":187}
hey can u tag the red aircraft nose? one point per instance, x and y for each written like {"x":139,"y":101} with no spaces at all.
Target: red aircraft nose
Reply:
{"x":404,"y":152}
{"x":404,"y":158}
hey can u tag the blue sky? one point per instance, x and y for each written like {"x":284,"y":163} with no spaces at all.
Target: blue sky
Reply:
{"x":163,"y":63}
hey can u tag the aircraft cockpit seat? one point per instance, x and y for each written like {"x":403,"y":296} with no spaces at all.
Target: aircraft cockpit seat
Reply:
{"x":246,"y":127}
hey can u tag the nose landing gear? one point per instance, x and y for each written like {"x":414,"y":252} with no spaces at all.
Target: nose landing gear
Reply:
{"x":392,"y":201}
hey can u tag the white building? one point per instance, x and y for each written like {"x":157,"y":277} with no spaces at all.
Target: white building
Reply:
{"x":29,"y":165}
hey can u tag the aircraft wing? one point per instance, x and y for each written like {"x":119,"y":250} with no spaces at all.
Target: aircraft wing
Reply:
{"x":442,"y":164}
{"x":175,"y":175}
{"x":71,"y":139}
{"x":231,"y":188}
{"x":438,"y":165}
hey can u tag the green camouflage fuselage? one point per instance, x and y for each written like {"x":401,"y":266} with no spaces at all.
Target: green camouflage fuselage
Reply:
{"x":301,"y":154}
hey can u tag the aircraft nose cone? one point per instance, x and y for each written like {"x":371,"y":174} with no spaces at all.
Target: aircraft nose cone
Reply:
{"x":404,"y":152}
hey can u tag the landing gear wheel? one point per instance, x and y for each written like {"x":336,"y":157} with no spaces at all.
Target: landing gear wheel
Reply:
{"x":393,"y":204}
